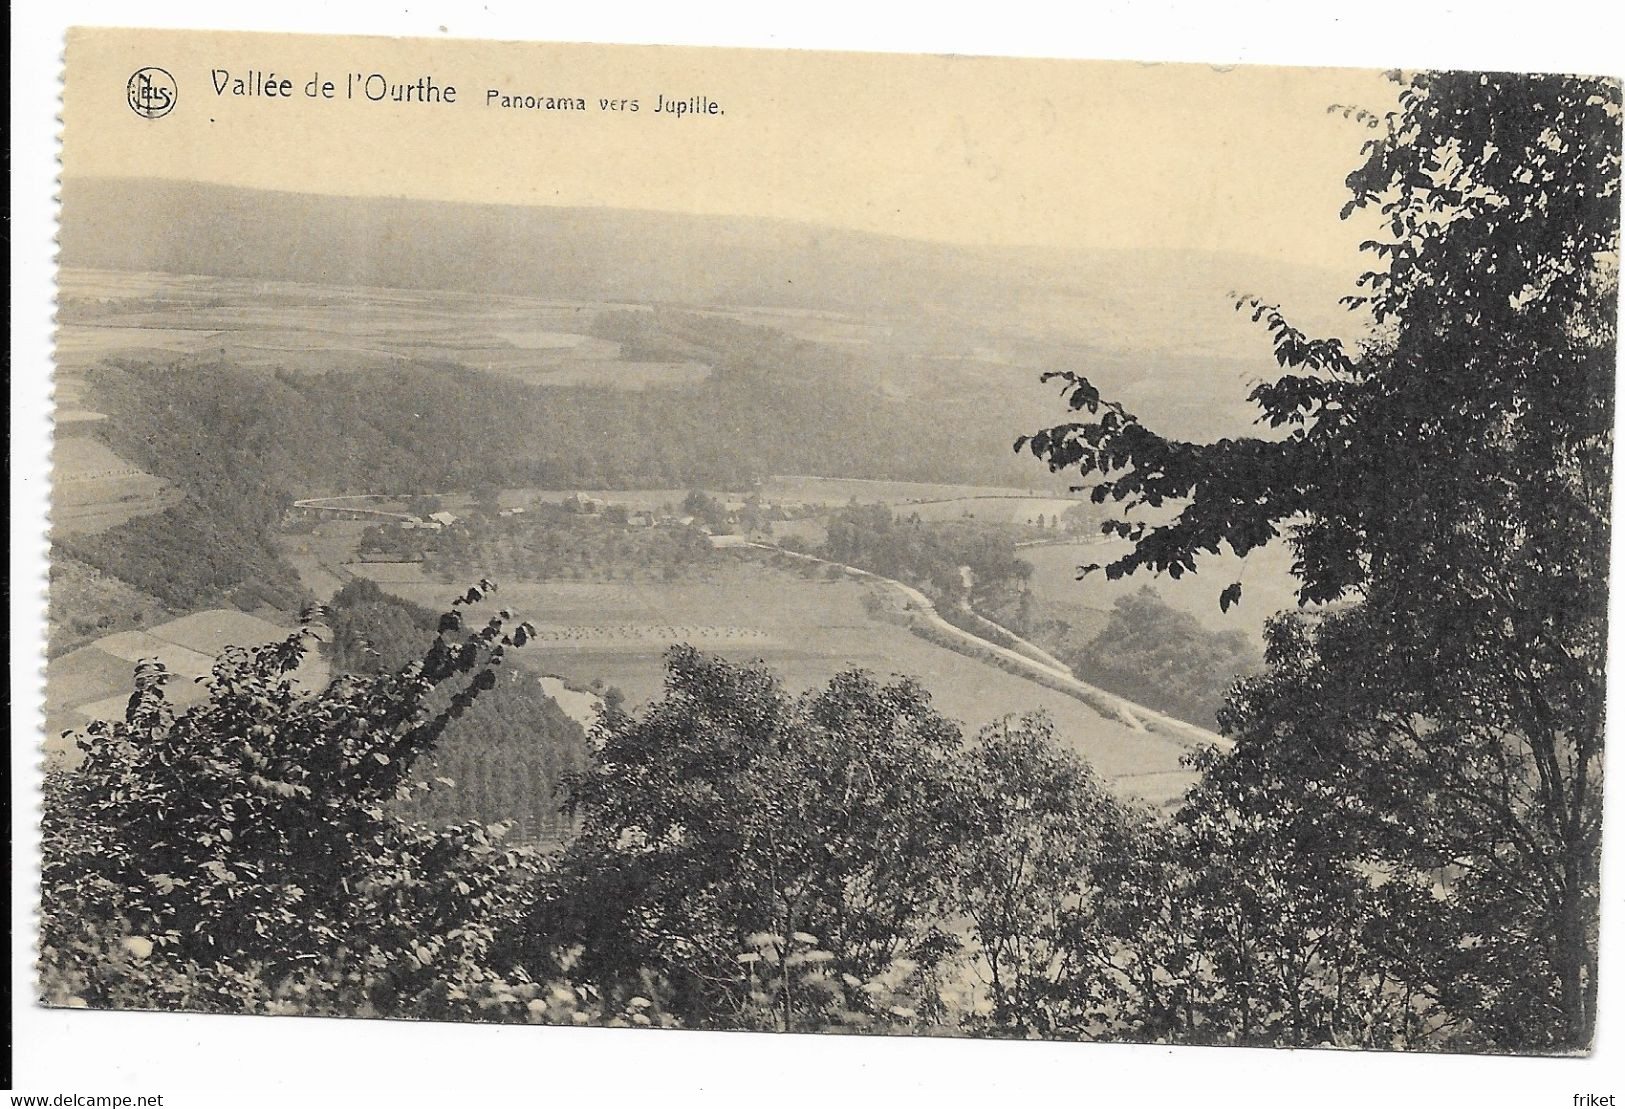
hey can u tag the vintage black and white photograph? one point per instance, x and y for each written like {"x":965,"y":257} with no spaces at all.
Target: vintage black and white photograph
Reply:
{"x":818,"y":542}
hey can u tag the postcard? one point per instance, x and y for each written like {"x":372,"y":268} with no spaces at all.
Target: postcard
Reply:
{"x":790,"y":541}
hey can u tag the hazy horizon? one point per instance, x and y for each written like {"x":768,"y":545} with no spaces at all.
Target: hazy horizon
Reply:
{"x":1040,"y":249}
{"x":968,"y":151}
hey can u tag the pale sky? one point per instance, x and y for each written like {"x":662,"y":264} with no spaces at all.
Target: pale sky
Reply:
{"x":965,"y":150}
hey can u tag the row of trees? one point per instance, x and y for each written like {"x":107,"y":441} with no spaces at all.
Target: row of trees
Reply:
{"x":957,"y":561}
{"x":506,"y":755}
{"x":504,"y":760}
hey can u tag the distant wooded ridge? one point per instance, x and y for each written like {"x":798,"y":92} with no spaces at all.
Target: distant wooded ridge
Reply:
{"x":602,"y":254}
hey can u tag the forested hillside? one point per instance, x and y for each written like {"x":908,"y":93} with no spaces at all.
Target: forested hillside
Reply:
{"x":241,"y":445}
{"x":773,"y":405}
{"x":504,"y":757}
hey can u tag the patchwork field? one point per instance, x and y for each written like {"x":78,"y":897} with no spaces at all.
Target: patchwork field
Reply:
{"x":806,"y":629}
{"x":95,"y":682}
{"x":94,"y":489}
{"x":316,"y":328}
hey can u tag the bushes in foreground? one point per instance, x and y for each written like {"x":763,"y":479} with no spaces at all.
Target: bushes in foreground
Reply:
{"x":747,"y":857}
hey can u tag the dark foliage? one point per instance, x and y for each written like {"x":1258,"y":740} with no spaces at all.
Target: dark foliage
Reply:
{"x":730,"y":811}
{"x":242,"y":843}
{"x":1158,"y":656}
{"x":1451,"y":480}
{"x":503,"y":759}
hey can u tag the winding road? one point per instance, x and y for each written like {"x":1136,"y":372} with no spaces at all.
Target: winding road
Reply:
{"x":1052,"y":673}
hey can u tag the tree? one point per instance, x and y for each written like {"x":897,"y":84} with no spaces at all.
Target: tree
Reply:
{"x":1449,"y":480}
{"x":247,"y":841}
{"x":1159,"y":656}
{"x":732,"y":828}
{"x":1248,"y":918}
{"x":706,"y":509}
{"x":1029,"y":880}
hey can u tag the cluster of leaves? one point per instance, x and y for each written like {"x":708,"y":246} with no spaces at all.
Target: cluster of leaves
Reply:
{"x":1249,"y":919}
{"x":252,"y":832}
{"x":729,"y":809}
{"x":1385,"y":773}
{"x":1449,"y":480}
{"x":1031,"y":882}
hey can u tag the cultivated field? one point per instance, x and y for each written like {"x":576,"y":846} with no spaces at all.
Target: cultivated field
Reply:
{"x":95,"y":682}
{"x":806,"y":629}
{"x":838,"y":491}
{"x":317,"y":328}
{"x":94,"y":489}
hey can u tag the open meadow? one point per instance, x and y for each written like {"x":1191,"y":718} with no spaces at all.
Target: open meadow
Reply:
{"x":1267,"y":584}
{"x":95,"y":489}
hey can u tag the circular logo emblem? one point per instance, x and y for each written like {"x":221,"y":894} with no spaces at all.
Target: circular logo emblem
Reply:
{"x":151,"y":92}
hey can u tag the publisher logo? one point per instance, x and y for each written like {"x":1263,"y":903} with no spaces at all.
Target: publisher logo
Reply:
{"x":151,"y":92}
